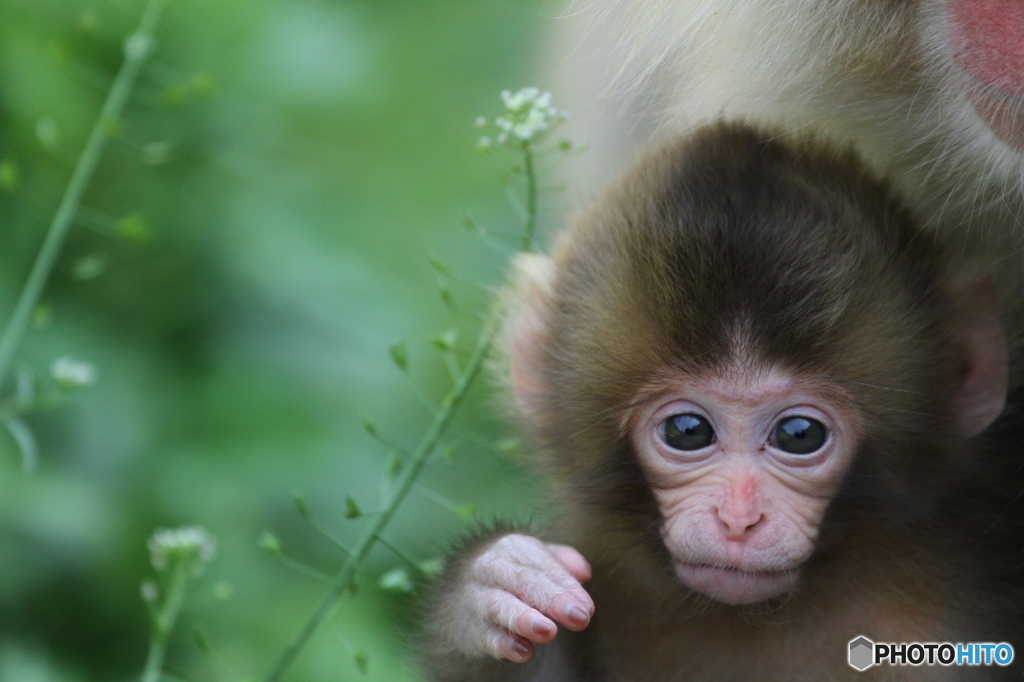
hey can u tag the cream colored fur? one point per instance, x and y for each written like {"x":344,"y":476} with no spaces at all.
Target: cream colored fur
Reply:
{"x":875,"y":74}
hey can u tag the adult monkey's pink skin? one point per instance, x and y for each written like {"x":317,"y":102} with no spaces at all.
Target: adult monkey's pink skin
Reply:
{"x":987,"y":37}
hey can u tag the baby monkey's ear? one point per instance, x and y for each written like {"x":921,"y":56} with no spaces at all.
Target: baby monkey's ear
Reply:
{"x":528,"y":326}
{"x":981,"y":342}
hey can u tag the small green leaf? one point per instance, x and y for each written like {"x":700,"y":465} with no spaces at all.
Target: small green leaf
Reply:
{"x":396,"y":580}
{"x":361,"y":659}
{"x":58,"y":50}
{"x":448,"y":454}
{"x":352,"y":510}
{"x":446,"y":293}
{"x":42,"y":316}
{"x":201,"y":641}
{"x":564,"y":145}
{"x":10,"y":175}
{"x":203,"y":83}
{"x":132,"y":227}
{"x":89,"y":267}
{"x":439,"y":265}
{"x":173,"y":95}
{"x":269,"y":543}
{"x":300,"y":504}
{"x":509,"y":447}
{"x":368,"y":424}
{"x":466,"y":511}
{"x":446,"y":341}
{"x":393,"y":465}
{"x":399,"y":354}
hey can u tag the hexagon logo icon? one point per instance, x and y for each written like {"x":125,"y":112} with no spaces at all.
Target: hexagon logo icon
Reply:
{"x":862,"y":653}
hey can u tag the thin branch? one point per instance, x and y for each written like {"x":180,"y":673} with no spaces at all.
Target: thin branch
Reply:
{"x":138,"y":48}
{"x":453,"y":366}
{"x":531,"y":198}
{"x":408,"y":477}
{"x":320,"y":527}
{"x":420,"y":456}
{"x":96,"y":220}
{"x":437,"y":498}
{"x":304,"y":569}
{"x":165,"y":622}
{"x":15,"y":407}
{"x":422,"y":395}
{"x":385,"y":441}
{"x":401,"y":555}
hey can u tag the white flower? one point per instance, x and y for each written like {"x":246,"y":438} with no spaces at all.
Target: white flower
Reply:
{"x":137,"y":46}
{"x":484,"y":143}
{"x":529,"y":112}
{"x":188,"y":543}
{"x":149,"y":591}
{"x":72,"y":373}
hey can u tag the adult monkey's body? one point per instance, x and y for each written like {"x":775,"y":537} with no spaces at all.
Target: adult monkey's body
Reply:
{"x":930,"y":92}
{"x":762,"y":397}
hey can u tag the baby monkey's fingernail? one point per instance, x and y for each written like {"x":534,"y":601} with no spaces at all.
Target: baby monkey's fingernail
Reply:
{"x":520,"y":649}
{"x":542,"y":627}
{"x":576,"y":615}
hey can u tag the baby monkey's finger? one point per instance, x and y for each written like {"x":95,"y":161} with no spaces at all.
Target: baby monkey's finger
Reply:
{"x":511,"y":647}
{"x":508,"y":612}
{"x":568,"y":612}
{"x":572,"y":561}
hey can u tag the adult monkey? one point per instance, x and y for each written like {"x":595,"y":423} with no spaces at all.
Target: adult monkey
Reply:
{"x":765,"y":401}
{"x":930,"y":92}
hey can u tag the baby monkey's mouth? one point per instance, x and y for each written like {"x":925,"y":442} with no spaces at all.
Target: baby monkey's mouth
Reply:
{"x":737,"y":585}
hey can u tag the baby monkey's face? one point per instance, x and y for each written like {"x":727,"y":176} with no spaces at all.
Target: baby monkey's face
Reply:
{"x":743,"y":465}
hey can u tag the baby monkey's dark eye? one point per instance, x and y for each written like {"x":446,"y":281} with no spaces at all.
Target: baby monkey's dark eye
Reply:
{"x":687,"y":432}
{"x":800,"y":435}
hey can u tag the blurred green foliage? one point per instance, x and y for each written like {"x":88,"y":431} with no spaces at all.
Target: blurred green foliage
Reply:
{"x":255,"y":241}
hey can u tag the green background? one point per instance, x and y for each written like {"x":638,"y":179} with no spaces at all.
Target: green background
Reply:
{"x":285,"y":168}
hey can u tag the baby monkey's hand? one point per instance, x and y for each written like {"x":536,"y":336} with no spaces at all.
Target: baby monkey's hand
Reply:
{"x":515,"y":592}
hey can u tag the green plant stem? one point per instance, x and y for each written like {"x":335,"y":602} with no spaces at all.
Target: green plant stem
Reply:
{"x":408,"y":477}
{"x":322,"y":528}
{"x":41,"y":403}
{"x":417,"y":460}
{"x":165,"y":621}
{"x":82,"y":175}
{"x":401,"y":555}
{"x":437,"y":498}
{"x":531,"y":198}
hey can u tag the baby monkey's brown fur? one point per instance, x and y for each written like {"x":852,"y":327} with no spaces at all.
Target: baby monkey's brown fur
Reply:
{"x":725,"y":259}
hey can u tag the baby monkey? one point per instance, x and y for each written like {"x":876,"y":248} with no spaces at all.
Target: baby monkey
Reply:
{"x":764,"y":399}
